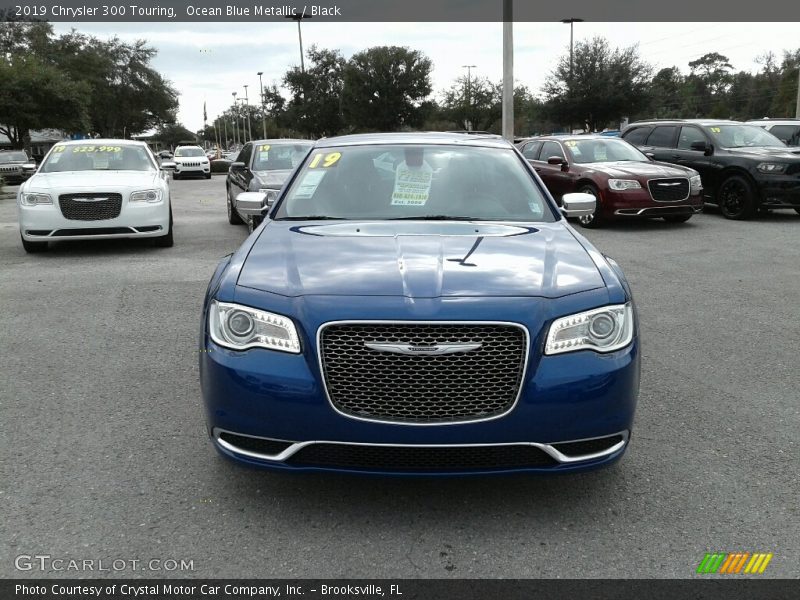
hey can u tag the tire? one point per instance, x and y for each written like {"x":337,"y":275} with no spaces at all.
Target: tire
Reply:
{"x":797,"y":210}
{"x":176,"y":176}
{"x":33,"y":247}
{"x":166,"y":241}
{"x":208,"y":175}
{"x":233,"y":216}
{"x":677,"y":218}
{"x":592,"y":221}
{"x":736,"y":198}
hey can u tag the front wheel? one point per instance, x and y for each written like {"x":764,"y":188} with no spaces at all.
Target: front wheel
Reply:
{"x":797,"y":210}
{"x":677,"y":218}
{"x":592,"y":221}
{"x":253,"y":223}
{"x":736,"y":198}
{"x":208,"y":175}
{"x":166,"y":241}
{"x":233,"y":216}
{"x":176,"y":176}
{"x":33,"y":247}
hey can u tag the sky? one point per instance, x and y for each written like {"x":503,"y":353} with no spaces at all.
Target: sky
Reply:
{"x":206,"y":62}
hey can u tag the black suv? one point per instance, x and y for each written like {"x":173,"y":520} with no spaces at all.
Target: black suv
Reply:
{"x":743,"y":167}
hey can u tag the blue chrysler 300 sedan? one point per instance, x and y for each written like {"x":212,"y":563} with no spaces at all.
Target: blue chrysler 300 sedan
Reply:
{"x":417,"y":304}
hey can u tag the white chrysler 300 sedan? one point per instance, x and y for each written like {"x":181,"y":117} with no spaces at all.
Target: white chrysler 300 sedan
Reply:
{"x":91,"y":189}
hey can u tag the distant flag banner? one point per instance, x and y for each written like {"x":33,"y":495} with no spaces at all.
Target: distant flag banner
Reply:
{"x":734,"y":563}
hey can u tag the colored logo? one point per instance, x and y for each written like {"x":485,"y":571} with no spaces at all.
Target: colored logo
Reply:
{"x":731,"y":563}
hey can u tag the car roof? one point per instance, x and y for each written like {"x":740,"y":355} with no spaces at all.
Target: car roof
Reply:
{"x":429,"y":138}
{"x":776,"y":120}
{"x":282,"y":141}
{"x":560,"y":137}
{"x":102,"y":141}
{"x":705,"y":122}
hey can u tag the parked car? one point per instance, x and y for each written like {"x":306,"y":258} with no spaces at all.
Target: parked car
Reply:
{"x":16,"y":166}
{"x":744,"y":168}
{"x":89,"y":189}
{"x":442,"y":319}
{"x":261,"y":166}
{"x":625,"y":182}
{"x":191,"y":161}
{"x":164,"y":154}
{"x":786,"y":130}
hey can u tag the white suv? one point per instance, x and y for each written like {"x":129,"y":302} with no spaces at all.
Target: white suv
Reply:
{"x":191,"y":160}
{"x":786,"y":130}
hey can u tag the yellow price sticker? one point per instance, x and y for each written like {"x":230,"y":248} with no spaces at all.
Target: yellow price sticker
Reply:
{"x":78,"y":149}
{"x":264,"y":148}
{"x":571,"y":143}
{"x":715,"y":129}
{"x":327,"y":160}
{"x":59,"y":148}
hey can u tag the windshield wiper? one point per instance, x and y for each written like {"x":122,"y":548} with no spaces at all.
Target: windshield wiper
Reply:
{"x":435,"y":218}
{"x":311,"y":218}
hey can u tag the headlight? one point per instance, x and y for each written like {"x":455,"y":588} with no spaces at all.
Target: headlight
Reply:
{"x":696,"y":184}
{"x":34,"y":199}
{"x":624,"y":184}
{"x":771,"y":168}
{"x":602,"y":330}
{"x":146,"y":196}
{"x":241,"y":327}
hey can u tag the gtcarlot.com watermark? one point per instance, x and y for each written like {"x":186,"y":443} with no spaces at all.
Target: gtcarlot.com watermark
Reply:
{"x":46,"y":562}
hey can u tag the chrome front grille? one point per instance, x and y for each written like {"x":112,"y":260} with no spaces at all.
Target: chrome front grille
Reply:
{"x":669,"y":190}
{"x":366,"y":378}
{"x":11,"y":169}
{"x":189,"y":164}
{"x":90,"y":206}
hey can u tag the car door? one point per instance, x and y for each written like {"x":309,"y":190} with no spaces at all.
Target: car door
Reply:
{"x":661,"y":143}
{"x":557,"y":180}
{"x":696,"y":159}
{"x":241,"y":176}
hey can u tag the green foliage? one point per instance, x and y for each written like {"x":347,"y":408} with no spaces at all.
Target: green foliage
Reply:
{"x":385,"y":87}
{"x":316,"y":94}
{"x":170,"y":134}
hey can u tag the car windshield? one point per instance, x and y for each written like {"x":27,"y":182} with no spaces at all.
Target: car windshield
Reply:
{"x":7,"y":157}
{"x":600,"y":151}
{"x":441,"y":182}
{"x":97,"y":157}
{"x":179,"y":152}
{"x":741,"y":136}
{"x":275,"y":157}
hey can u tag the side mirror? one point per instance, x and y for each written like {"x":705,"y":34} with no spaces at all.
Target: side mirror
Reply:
{"x":701,"y":146}
{"x":556,"y":160}
{"x":238,"y":166}
{"x":578,"y":205}
{"x":650,"y":155}
{"x":255,"y":203}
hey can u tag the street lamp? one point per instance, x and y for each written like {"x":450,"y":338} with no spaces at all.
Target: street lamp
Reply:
{"x":571,"y":22}
{"x":235,"y":123}
{"x":508,"y":71}
{"x":469,"y":77}
{"x":299,"y":18}
{"x":247,"y":104}
{"x":263,"y":110}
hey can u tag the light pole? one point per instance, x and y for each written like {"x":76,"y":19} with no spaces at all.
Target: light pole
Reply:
{"x":244,"y":125}
{"x":247,"y":110}
{"x":263,"y":110}
{"x":299,"y":18}
{"x":469,"y":104}
{"x":235,"y":120}
{"x":508,"y":71}
{"x":571,"y":22}
{"x":797,"y":107}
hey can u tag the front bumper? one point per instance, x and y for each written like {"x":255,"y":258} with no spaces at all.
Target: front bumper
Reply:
{"x":781,"y":191}
{"x":279,"y":400}
{"x":45,"y":222}
{"x":639,"y":203}
{"x":192,"y":170}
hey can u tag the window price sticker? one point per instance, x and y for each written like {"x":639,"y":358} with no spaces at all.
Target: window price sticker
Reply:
{"x":412,"y":185}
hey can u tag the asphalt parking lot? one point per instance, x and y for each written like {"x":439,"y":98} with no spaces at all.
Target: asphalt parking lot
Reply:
{"x":104,"y":453}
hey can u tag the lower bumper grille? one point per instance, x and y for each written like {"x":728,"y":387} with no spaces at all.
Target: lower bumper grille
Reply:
{"x":90,"y":206}
{"x":669,"y":190}
{"x":253,"y":444}
{"x":587,"y":447}
{"x":421,"y":459}
{"x":367,"y":378}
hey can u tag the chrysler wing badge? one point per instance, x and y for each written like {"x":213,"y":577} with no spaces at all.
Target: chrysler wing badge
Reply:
{"x":436,"y":349}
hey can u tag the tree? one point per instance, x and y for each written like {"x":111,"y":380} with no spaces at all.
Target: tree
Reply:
{"x":35,"y":95}
{"x":170,"y":134}
{"x":316,"y":94}
{"x":384,"y":88}
{"x":606,"y":84}
{"x":478,"y":103}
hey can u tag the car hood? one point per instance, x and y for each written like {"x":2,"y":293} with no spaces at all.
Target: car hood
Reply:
{"x":418,"y":260}
{"x":769,"y":152}
{"x":273,"y":179}
{"x":89,"y":180}
{"x":648,"y":169}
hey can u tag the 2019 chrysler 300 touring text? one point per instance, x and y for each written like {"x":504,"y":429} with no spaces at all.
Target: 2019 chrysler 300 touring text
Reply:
{"x":417,"y":304}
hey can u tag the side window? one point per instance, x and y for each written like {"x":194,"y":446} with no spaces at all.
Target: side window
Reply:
{"x":531,"y":150}
{"x":688,"y":136}
{"x":245,"y":154}
{"x":787,"y":133}
{"x":551,"y":149}
{"x":636,"y":136}
{"x":663,"y":136}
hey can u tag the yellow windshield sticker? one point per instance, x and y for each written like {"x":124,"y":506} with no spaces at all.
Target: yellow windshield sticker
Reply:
{"x":59,"y":148}
{"x":571,"y":143}
{"x":264,"y":148}
{"x":715,"y":129}
{"x":325,"y":160}
{"x":77,"y":149}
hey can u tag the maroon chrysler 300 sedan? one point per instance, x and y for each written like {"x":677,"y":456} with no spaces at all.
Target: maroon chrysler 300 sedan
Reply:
{"x":625,"y":182}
